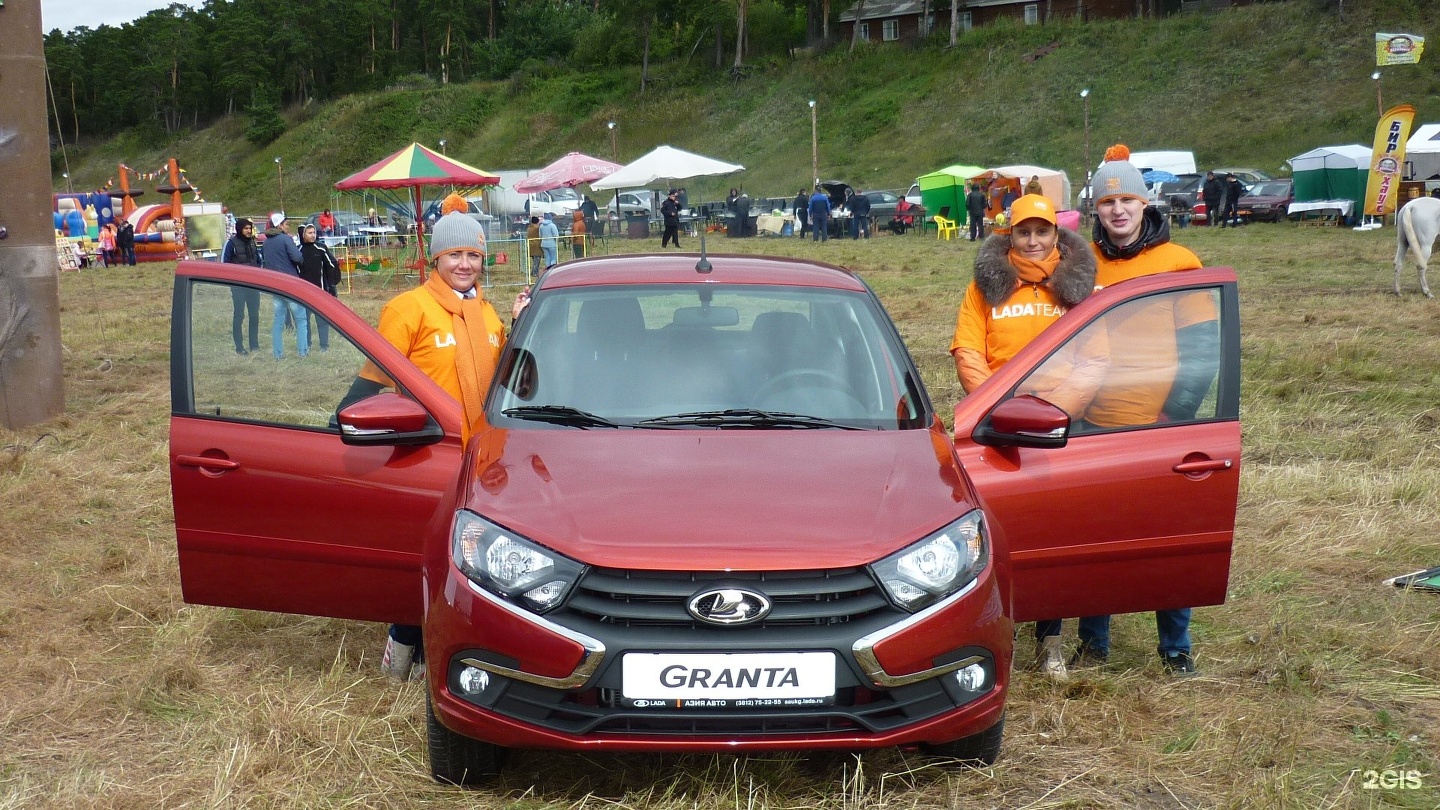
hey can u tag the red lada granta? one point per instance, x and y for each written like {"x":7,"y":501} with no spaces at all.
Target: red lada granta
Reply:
{"x":713,"y":509}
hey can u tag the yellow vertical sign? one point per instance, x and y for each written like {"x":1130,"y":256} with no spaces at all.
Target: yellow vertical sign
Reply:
{"x":1386,"y":160}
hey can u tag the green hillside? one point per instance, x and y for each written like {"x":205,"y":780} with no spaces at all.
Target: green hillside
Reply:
{"x":1244,"y":87}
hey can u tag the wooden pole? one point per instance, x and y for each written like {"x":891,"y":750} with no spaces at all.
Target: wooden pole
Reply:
{"x":31,"y":371}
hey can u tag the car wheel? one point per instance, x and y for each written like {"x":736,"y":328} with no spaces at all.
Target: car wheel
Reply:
{"x":459,"y":760}
{"x":978,"y":749}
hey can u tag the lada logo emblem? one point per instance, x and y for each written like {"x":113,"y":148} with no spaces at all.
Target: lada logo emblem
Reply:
{"x":729,"y":606}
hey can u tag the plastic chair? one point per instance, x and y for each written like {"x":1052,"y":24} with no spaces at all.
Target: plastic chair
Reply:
{"x":946,"y":228}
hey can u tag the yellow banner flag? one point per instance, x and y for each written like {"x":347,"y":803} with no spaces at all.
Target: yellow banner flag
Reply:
{"x":1387,"y":159}
{"x":1398,"y":49}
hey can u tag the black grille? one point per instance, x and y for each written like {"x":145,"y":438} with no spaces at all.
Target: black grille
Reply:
{"x":658,"y":598}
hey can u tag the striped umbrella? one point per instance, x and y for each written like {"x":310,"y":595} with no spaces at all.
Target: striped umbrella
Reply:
{"x":414,"y":168}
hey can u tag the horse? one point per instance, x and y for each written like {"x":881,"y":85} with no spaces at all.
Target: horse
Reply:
{"x":1417,"y":227}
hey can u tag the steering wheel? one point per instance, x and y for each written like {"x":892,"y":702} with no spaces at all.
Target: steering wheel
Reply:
{"x":788,"y":379}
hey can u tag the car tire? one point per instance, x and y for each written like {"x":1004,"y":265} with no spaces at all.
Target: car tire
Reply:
{"x":459,"y":760}
{"x":978,"y":750}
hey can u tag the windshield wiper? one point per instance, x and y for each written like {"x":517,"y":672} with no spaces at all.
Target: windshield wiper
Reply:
{"x":747,"y":417}
{"x":558,"y":415}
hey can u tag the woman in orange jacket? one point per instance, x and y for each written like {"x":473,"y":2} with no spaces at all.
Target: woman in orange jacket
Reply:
{"x":1024,"y":281}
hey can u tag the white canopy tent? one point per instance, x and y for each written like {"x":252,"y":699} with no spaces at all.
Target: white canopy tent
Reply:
{"x":664,"y":163}
{"x":1054,"y":182}
{"x":1422,"y":152}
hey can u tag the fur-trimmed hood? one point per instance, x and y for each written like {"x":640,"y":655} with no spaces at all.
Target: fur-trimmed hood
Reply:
{"x":1072,"y":281}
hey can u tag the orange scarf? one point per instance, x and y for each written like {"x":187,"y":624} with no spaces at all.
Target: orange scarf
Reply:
{"x":1032,"y":271}
{"x":472,"y":322}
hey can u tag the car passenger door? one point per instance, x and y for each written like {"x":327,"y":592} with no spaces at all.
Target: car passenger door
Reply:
{"x":1119,"y":519}
{"x":273,"y":510}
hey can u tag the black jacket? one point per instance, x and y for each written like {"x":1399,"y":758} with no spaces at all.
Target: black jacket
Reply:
{"x":670,"y":210}
{"x":318,"y":266}
{"x":239,"y":250}
{"x":975,"y":203}
{"x":1233,"y":190}
{"x":1213,"y":189}
{"x":859,"y":205}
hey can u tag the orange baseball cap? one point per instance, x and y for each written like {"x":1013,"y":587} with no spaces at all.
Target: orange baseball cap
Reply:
{"x":1032,"y":206}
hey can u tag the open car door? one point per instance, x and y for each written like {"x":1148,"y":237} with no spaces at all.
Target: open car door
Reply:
{"x":1103,"y":509}
{"x":275,"y":509}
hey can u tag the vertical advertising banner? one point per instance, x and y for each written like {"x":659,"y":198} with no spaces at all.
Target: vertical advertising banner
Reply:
{"x":1386,"y":160}
{"x":1398,"y":49}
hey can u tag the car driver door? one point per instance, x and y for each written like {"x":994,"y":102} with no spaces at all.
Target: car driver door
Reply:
{"x":1104,"y":510}
{"x":273,"y":509}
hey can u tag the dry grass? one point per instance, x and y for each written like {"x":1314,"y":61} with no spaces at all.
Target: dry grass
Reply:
{"x":115,"y":694}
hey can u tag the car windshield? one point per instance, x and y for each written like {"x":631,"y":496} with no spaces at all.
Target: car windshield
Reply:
{"x":1272,"y":189}
{"x":697,"y":356}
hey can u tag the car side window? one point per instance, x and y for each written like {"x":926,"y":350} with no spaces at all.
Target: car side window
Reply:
{"x":1150,"y":361}
{"x":290,"y":390}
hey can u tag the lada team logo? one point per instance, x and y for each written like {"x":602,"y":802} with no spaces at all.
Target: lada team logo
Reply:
{"x":729,"y":606}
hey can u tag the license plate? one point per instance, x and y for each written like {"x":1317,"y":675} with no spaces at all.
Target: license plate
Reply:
{"x":728,"y":680}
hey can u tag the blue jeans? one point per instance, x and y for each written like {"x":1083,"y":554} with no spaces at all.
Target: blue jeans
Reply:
{"x":302,"y":327}
{"x":1173,"y":627}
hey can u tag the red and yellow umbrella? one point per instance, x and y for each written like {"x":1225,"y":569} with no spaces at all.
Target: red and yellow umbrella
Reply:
{"x":414,"y":168}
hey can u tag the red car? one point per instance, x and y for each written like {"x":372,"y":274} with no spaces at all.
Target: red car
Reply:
{"x":714,"y":509}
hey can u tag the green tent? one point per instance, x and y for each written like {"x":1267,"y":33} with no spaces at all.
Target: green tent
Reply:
{"x":946,"y":187}
{"x":1332,"y":173}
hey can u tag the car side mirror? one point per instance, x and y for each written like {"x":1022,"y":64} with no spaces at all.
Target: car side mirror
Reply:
{"x":1024,"y":421}
{"x":387,"y":419}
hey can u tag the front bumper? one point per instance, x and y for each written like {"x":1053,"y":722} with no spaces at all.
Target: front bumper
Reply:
{"x":557,"y":683}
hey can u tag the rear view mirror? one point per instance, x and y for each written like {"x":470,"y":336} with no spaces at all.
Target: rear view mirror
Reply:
{"x":1024,"y":421}
{"x":387,"y":419}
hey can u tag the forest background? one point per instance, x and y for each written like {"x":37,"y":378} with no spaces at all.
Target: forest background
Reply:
{"x":331,"y":86}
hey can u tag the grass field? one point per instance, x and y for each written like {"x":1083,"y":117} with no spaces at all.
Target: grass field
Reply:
{"x":116,"y":694}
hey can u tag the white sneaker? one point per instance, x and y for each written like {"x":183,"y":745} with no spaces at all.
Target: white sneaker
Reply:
{"x":1050,"y":659}
{"x":395,"y":663}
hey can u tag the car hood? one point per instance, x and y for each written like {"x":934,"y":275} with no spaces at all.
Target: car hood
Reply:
{"x":1263,"y":199}
{"x":718,"y":499}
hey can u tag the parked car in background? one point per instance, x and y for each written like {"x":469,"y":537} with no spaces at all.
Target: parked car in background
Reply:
{"x":711,"y":508}
{"x":912,"y":196}
{"x":1171,"y":195}
{"x":560,"y":202}
{"x":631,"y":202}
{"x":347,"y":223}
{"x":1247,"y":176}
{"x":1268,"y":200}
{"x":882,"y":205}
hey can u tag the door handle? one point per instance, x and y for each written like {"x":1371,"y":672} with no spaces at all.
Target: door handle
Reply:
{"x":207,"y":463}
{"x":1203,"y":466}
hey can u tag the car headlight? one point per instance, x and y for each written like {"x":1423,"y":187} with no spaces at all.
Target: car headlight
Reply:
{"x":937,"y":566}
{"x":511,"y":566}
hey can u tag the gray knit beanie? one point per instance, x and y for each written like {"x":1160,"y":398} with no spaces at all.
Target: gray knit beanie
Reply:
{"x":455,"y":231}
{"x":1118,"y":177}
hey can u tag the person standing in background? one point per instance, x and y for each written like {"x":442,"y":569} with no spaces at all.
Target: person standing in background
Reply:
{"x":578,"y":231}
{"x":819,"y":215}
{"x":532,"y":243}
{"x":975,"y":210}
{"x":319,"y":267}
{"x":1212,"y":192}
{"x":126,"y":240}
{"x":280,"y":253}
{"x":549,"y":244}
{"x":242,"y":249}
{"x":802,"y":211}
{"x":670,"y":211}
{"x":859,"y":206}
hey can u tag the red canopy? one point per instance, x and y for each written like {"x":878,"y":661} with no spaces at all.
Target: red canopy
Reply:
{"x":572,"y":170}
